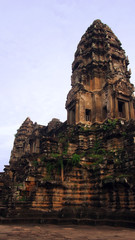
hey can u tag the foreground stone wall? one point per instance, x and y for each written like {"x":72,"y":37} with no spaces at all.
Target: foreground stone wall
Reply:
{"x":80,"y":171}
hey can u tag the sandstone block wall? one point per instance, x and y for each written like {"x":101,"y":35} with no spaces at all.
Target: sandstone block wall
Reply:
{"x":80,"y":172}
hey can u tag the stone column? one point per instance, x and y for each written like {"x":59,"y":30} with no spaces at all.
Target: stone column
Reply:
{"x":97,"y":82}
{"x":98,"y":107}
{"x":116,"y":108}
{"x":82,"y":110}
{"x":127,"y":110}
{"x":110,"y":103}
{"x":131,"y":110}
{"x":93,"y":110}
{"x":68,"y":116}
{"x":77,"y":112}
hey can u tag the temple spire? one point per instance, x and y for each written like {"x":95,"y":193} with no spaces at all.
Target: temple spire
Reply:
{"x":100,"y":78}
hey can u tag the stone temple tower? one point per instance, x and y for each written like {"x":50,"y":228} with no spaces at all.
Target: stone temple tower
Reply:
{"x":100,"y":79}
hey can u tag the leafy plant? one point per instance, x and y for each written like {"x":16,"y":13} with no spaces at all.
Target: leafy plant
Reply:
{"x":97,"y":146}
{"x":23,"y":198}
{"x":49,"y":167}
{"x":84,"y":128}
{"x":123,"y":176}
{"x":124,"y":134}
{"x":108,"y":178}
{"x":47,"y":178}
{"x":55,"y":155}
{"x":110,"y":124}
{"x":75,"y":159}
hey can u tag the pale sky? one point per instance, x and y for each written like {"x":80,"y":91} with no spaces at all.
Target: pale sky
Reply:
{"x":38,"y":39}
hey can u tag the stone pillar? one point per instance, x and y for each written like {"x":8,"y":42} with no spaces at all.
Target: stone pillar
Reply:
{"x":110,"y":103}
{"x":127,"y":110}
{"x":82,"y":110}
{"x":98,"y":107}
{"x":111,"y":106}
{"x":131,"y":110}
{"x":67,"y":116}
{"x":37,"y":146}
{"x":93,"y":110}
{"x":116,"y":108}
{"x":77,"y":112}
{"x":97,"y":83}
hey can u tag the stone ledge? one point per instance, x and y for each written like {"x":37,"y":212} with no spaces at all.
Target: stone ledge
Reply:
{"x":76,"y":221}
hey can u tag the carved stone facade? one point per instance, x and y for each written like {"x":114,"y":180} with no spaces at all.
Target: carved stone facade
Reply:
{"x":24,"y":140}
{"x":83,"y":168}
{"x":100,"y":79}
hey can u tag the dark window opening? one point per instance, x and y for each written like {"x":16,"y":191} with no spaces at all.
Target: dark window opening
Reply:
{"x":31,"y":146}
{"x":104,"y":112}
{"x":88,"y":115}
{"x":121,"y":109}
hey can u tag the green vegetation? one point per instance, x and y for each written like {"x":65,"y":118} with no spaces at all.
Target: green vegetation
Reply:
{"x":43,"y":158}
{"x":116,"y":155}
{"x":74,"y":161}
{"x":60,"y":164}
{"x":116,"y":178}
{"x":124,"y":134}
{"x":50,"y":167}
{"x":124,"y":176}
{"x":64,"y":141}
{"x":47,"y":178}
{"x":55,"y":155}
{"x":109,"y":125}
{"x":35,"y":163}
{"x":108,"y":179}
{"x":85,"y":128}
{"x":97,"y":145}
{"x":99,"y":161}
{"x":97,"y":153}
{"x":22,"y":199}
{"x":97,"y":156}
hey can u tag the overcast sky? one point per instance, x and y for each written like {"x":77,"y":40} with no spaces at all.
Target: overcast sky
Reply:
{"x":38,"y":39}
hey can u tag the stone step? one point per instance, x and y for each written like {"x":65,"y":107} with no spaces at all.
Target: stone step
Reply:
{"x":83,"y":221}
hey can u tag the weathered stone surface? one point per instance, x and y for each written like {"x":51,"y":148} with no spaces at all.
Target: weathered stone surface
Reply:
{"x":84,"y":167}
{"x":100,"y":79}
{"x":64,"y":232}
{"x":55,"y":123}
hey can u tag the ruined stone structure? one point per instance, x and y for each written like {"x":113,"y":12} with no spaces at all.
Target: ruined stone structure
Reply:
{"x":83,"y":168}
